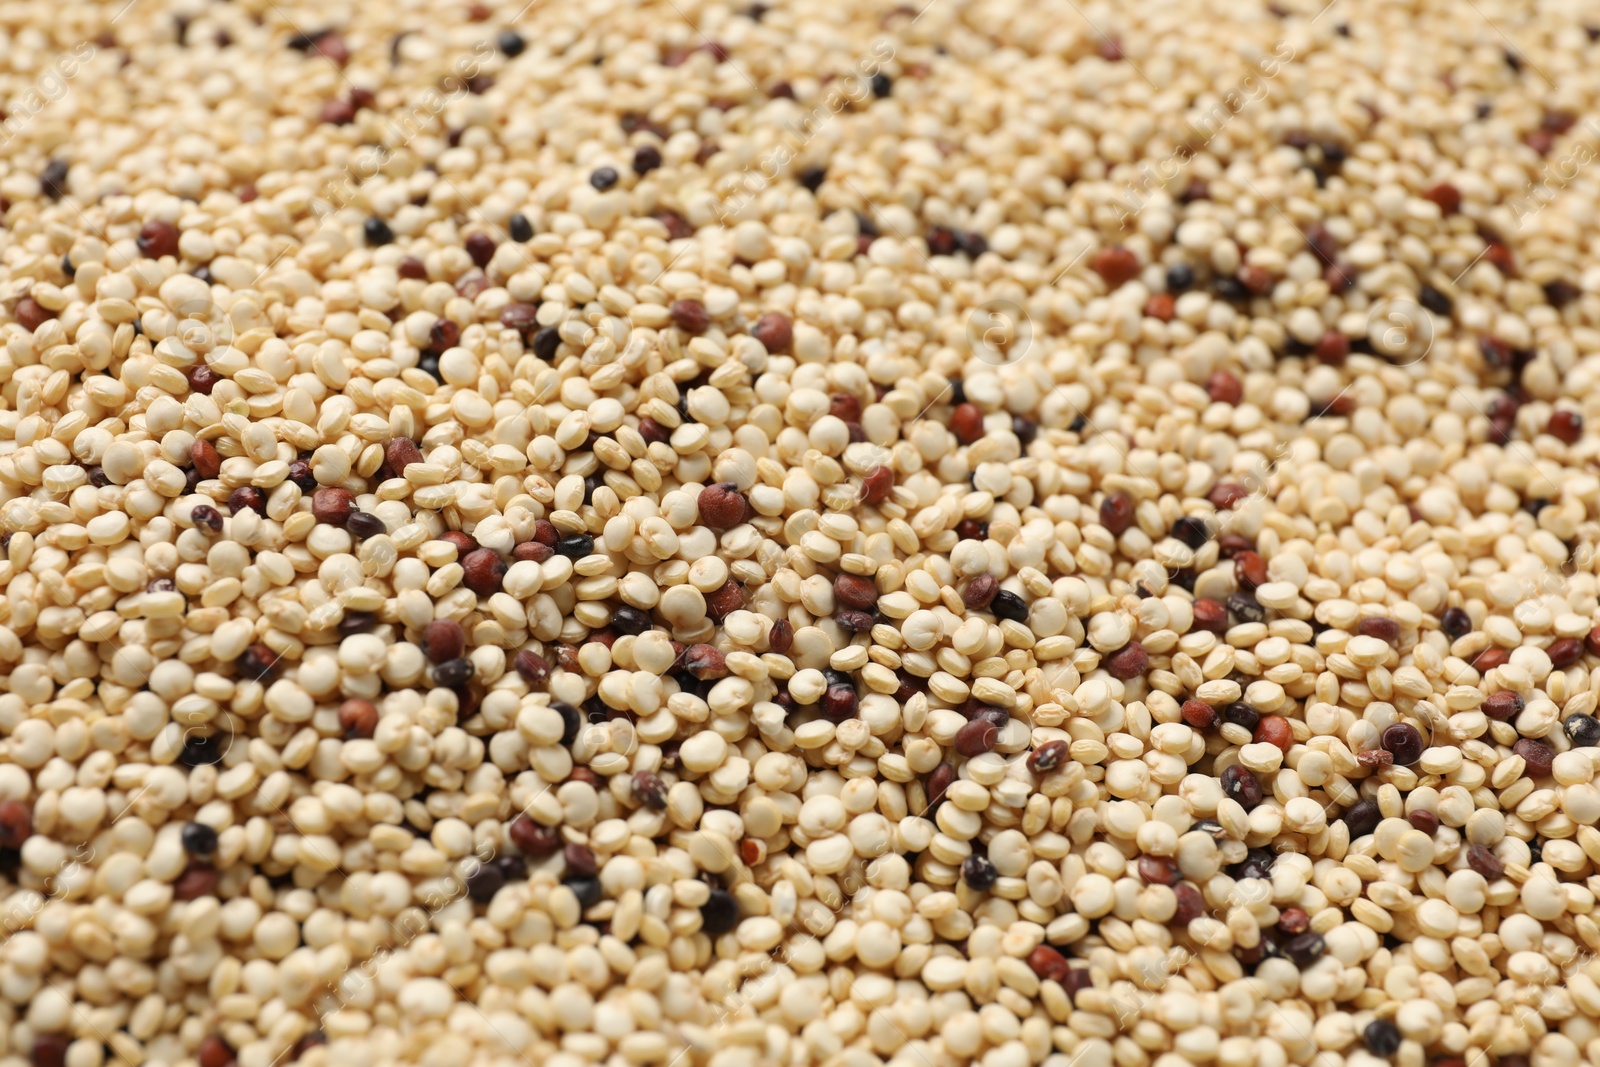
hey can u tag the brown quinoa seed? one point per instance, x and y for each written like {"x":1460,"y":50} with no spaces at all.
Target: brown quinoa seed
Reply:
{"x":158,"y":238}
{"x":1047,"y":757}
{"x":1426,"y":821}
{"x":1116,"y":513}
{"x":774,"y":331}
{"x":332,"y":505}
{"x":1224,"y":387}
{"x":214,"y":1052}
{"x":1386,"y":630}
{"x":483,"y":571}
{"x":966,"y":422}
{"x":1210,"y":615}
{"x":1565,"y":652}
{"x":980,"y":592}
{"x":1198,"y":714}
{"x":533,"y":838}
{"x":197,"y":880}
{"x":1333,"y":348}
{"x":533,"y":668}
{"x":1191,"y":905}
{"x":728,"y":598}
{"x":648,"y":789}
{"x":1294,"y":921}
{"x":1485,"y":862}
{"x":1116,"y":265}
{"x":855,"y":591}
{"x":877,"y":485}
{"x":704,"y":662}
{"x":1159,"y":870}
{"x":1536,"y":755}
{"x":1130,"y":661}
{"x":1489,"y":659}
{"x":1049,"y":964}
{"x":400,"y":453}
{"x":1447,"y":196}
{"x":690,"y":316}
{"x":976,"y":738}
{"x":722,"y":506}
{"x":845,"y":407}
{"x":50,"y":1050}
{"x":780,"y":638}
{"x":464,"y":543}
{"x":357,"y":717}
{"x":1225,"y":496}
{"x":1161,"y":306}
{"x":1565,"y":426}
{"x":16,"y":823}
{"x":31,"y":314}
{"x":205,"y":459}
{"x":443,"y":639}
{"x":1503,"y":706}
{"x":1249,"y":570}
{"x":1275,"y":730}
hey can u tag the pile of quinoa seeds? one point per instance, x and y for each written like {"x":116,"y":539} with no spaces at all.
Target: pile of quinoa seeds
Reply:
{"x":832,"y":533}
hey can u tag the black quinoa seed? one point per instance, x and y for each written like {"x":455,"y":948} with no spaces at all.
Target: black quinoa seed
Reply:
{"x":1455,"y":622}
{"x":1436,"y":302}
{"x":546,"y":342}
{"x":53,"y":179}
{"x":1246,"y":608}
{"x":1241,"y":785}
{"x":576,"y":546}
{"x":629,"y":620}
{"x":377,"y":232}
{"x":1242,"y":714}
{"x":978,"y":872}
{"x":203,"y":751}
{"x":1381,"y":1037}
{"x":586,"y":888}
{"x":571,"y":721}
{"x":1231,"y":290}
{"x":720,"y":913}
{"x":1008,"y":605}
{"x":1560,"y":293}
{"x":646,"y":158}
{"x":1257,"y":864}
{"x":1191,"y":531}
{"x":1583,"y":730}
{"x":364,"y":524}
{"x":453,"y":673}
{"x":1305,"y":950}
{"x":199,"y":839}
{"x":484,"y":882}
{"x":1403,"y":742}
{"x":1362,"y":818}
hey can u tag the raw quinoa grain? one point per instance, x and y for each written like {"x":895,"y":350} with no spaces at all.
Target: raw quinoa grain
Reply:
{"x":740,"y":534}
